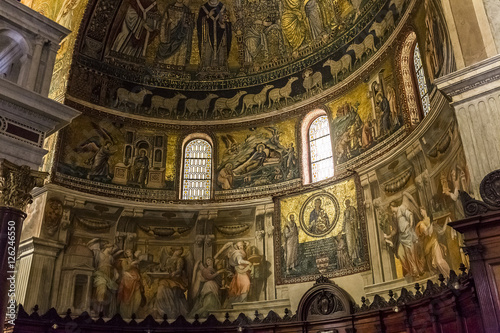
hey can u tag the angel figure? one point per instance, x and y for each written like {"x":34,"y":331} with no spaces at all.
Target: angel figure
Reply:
{"x":403,"y":237}
{"x":429,"y":232}
{"x":231,"y":144}
{"x":459,"y":180}
{"x":100,"y":145}
{"x":206,"y":285}
{"x":130,"y":290}
{"x":240,"y":283}
{"x":105,"y":275}
{"x":173,"y":283}
{"x":275,"y":138}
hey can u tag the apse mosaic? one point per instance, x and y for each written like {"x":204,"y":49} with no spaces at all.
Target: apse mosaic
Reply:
{"x":106,"y":154}
{"x":367,"y":115}
{"x":219,"y":60}
{"x":258,"y":156}
{"x":321,"y":232}
{"x":105,"y":151}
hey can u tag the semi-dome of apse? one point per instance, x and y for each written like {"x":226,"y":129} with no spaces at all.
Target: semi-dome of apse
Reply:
{"x":256,"y":74}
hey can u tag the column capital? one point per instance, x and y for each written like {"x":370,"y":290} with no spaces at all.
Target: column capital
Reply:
{"x":16,"y":183}
{"x":40,"y":40}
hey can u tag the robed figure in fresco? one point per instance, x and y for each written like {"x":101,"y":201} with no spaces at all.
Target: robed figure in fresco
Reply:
{"x":240,"y":283}
{"x":130,"y":288}
{"x":429,"y":233}
{"x":173,"y":283}
{"x":105,"y":276}
{"x":176,"y":31}
{"x":214,"y":35}
{"x":205,"y":287}
{"x":403,"y":237}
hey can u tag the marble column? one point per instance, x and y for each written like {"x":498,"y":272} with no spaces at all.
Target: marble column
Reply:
{"x":16,"y":183}
{"x":36,"y":262}
{"x":49,"y":67}
{"x":268,"y":211}
{"x":35,"y":62}
{"x":375,"y":244}
{"x":475,"y":95}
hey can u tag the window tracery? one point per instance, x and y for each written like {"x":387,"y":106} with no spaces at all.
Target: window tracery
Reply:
{"x":197,"y":170}
{"x":320,"y":148}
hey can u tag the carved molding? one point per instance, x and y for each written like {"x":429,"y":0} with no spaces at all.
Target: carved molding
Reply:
{"x":490,"y":193}
{"x":325,"y":300}
{"x":16,"y":183}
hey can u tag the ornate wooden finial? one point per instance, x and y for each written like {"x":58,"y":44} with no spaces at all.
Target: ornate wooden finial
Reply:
{"x":418,"y":293}
{"x":16,"y":183}
{"x":463,"y":269}
{"x":322,"y":279}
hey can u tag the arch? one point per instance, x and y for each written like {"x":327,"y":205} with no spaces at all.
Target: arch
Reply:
{"x":414,"y":81}
{"x":197,"y":167}
{"x":14,"y":51}
{"x":308,"y":164}
{"x":325,"y":300}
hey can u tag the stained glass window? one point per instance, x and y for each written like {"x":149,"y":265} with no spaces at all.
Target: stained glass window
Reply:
{"x":422,"y":85}
{"x":320,"y":147}
{"x":197,"y":177}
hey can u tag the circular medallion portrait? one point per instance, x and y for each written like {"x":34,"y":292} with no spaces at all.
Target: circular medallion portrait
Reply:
{"x":319,"y":214}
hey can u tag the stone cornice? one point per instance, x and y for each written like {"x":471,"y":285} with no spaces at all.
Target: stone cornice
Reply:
{"x":44,"y":111}
{"x":39,"y":246}
{"x":31,"y":19}
{"x":471,"y":82}
{"x":173,"y":205}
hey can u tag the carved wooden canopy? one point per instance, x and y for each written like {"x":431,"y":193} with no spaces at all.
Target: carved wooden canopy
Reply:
{"x":325,"y":300}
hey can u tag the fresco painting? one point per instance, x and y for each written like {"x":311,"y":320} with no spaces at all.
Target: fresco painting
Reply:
{"x":311,"y":224}
{"x":141,"y":266}
{"x":416,"y":204}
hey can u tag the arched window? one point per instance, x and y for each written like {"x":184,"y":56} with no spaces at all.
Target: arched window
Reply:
{"x":420,"y":78}
{"x":197,"y":170}
{"x":416,"y":92}
{"x":320,"y":149}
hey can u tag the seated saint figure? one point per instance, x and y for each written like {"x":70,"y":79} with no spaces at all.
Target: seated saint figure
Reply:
{"x":318,"y":219}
